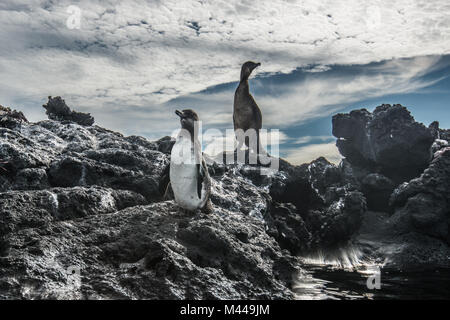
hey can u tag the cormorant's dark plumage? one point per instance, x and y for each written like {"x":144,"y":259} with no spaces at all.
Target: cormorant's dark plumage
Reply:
{"x":246,"y":113}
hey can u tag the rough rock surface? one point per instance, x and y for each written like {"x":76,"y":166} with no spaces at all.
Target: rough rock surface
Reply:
{"x":438,"y":133}
{"x":11,"y":118}
{"x":54,"y":154}
{"x":409,"y":191}
{"x":152,"y":252}
{"x":424,"y":202}
{"x":387,"y":141}
{"x":314,"y":203}
{"x":377,"y":189}
{"x":81,"y":196}
{"x":76,"y":197}
{"x":56,"y":109}
{"x":383,"y":149}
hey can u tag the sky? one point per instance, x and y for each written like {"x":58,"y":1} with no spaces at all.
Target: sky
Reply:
{"x":132,"y":63}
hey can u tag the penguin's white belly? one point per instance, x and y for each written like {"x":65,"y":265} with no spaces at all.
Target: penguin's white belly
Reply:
{"x":183,"y":176}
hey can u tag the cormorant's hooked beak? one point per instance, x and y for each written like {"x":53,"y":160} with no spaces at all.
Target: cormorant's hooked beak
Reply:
{"x":254,"y":66}
{"x":179,"y":113}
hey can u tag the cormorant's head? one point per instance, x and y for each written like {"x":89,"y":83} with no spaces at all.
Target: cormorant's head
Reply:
{"x":247,"y":69}
{"x":188,"y":117}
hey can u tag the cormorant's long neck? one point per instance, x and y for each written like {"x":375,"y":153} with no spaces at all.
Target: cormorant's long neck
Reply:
{"x":243,"y":86}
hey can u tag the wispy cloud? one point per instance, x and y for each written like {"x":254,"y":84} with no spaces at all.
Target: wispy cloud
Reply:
{"x":308,"y":139}
{"x":132,"y":62}
{"x":306,"y":96}
{"x":140,"y":53}
{"x":216,"y":141}
{"x":313,"y":151}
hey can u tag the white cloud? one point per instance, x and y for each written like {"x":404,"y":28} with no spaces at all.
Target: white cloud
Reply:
{"x":130,"y":59}
{"x":216,"y":141}
{"x":316,"y":95}
{"x":140,"y":53}
{"x":307,"y":139}
{"x":321,"y":96}
{"x":318,"y":68}
{"x":311,"y":152}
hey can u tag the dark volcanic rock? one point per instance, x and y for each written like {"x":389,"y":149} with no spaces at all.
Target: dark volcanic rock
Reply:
{"x":417,"y":232}
{"x":54,"y":154}
{"x":444,"y":134}
{"x":151,"y":252}
{"x":434,"y":129}
{"x":325,"y":210}
{"x":11,"y":118}
{"x":339,"y":221}
{"x":80,"y":197}
{"x":31,"y":179}
{"x":296,"y":185}
{"x":165,"y":144}
{"x":353,"y":142}
{"x":377,"y":190}
{"x":382,"y":149}
{"x":70,"y":172}
{"x":287,"y":226}
{"x":439,"y":144}
{"x":393,"y":242}
{"x":441,"y":136}
{"x":58,"y":110}
{"x":63,"y":193}
{"x":424,"y":202}
{"x":27,"y":209}
{"x":438,"y":133}
{"x":387,"y":141}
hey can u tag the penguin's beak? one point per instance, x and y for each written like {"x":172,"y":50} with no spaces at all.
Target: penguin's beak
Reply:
{"x":179,"y":113}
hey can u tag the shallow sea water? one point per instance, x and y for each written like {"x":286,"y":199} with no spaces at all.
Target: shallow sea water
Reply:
{"x":343,"y":275}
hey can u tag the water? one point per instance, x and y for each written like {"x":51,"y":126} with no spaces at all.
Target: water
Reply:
{"x":344,"y":274}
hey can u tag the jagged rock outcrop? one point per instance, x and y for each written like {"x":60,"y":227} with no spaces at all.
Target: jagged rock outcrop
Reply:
{"x":11,"y":118}
{"x":28,"y":209}
{"x":438,"y":133}
{"x":423,"y":204}
{"x":84,"y":196}
{"x":377,"y":190}
{"x":402,"y":168}
{"x":441,"y":137}
{"x":81,"y":196}
{"x":387,"y":141}
{"x":55,"y":154}
{"x":152,"y":252}
{"x":56,"y":109}
{"x":315,"y":204}
{"x":382,"y":149}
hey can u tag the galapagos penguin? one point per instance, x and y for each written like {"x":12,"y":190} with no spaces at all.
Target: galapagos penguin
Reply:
{"x":189,"y":175}
{"x":246,"y":113}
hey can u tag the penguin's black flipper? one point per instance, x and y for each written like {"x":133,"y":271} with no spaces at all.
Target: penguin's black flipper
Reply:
{"x":200,"y":178}
{"x":168,"y":194}
{"x":164,"y":184}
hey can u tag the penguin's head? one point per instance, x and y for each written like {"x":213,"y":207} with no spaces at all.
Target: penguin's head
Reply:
{"x":247,"y":69}
{"x":188,"y":117}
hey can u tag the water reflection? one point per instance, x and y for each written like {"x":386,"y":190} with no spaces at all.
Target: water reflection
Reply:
{"x":344,"y":273}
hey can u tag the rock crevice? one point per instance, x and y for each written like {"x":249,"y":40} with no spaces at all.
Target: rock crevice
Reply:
{"x":73,"y":194}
